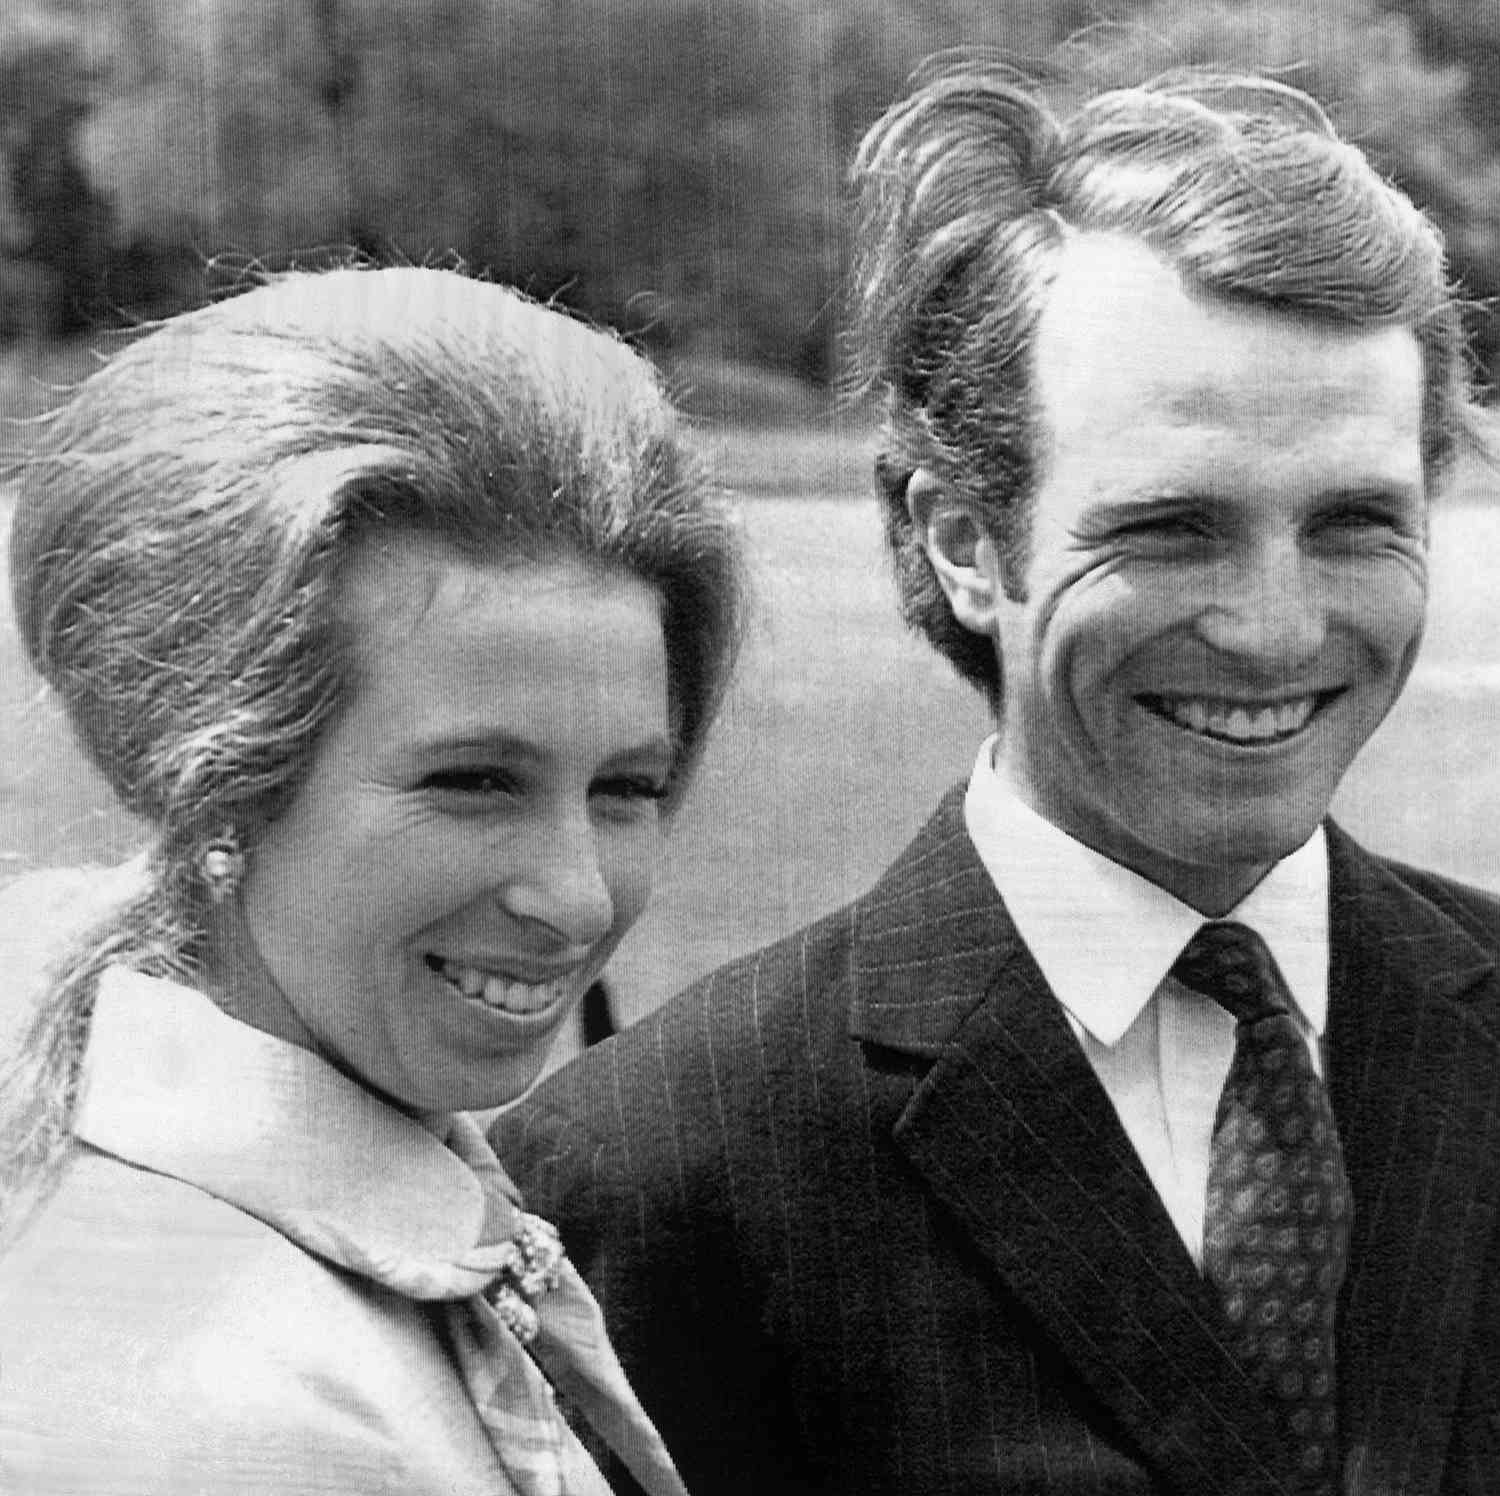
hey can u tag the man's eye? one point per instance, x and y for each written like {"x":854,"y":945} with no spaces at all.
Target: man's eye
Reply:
{"x":1356,"y":518}
{"x":1163,"y":527}
{"x":470,"y":782}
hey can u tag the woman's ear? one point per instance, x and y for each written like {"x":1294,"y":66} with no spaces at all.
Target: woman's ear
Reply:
{"x":961,"y":552}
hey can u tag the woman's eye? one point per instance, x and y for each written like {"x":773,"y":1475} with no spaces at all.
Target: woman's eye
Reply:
{"x":631,"y":790}
{"x":470,"y":782}
{"x":1356,"y":520}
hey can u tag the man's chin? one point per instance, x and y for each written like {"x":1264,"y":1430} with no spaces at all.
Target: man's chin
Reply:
{"x":1214,"y":867}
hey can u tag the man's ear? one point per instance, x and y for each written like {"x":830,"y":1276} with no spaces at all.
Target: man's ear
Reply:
{"x":961,"y":552}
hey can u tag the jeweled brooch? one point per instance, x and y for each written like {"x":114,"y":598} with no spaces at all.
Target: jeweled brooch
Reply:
{"x":531,"y":1264}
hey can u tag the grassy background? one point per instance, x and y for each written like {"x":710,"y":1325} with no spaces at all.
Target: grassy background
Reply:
{"x":842,"y":731}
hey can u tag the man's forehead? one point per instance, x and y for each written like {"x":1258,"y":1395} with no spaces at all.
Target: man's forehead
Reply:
{"x":1214,"y":402}
{"x":1122,"y":333}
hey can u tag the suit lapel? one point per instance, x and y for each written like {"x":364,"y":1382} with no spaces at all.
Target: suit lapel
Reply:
{"x":1011,"y":1130}
{"x":1415,"y":1081}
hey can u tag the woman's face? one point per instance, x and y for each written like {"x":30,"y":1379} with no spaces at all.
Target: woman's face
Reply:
{"x":479,"y":829}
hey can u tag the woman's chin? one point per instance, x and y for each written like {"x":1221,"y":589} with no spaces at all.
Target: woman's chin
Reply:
{"x":488,"y":1088}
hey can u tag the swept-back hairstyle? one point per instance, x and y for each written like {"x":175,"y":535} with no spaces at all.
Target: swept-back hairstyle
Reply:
{"x":185,"y":521}
{"x":968,"y":188}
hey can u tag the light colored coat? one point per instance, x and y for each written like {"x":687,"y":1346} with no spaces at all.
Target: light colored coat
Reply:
{"x":224,"y":1295}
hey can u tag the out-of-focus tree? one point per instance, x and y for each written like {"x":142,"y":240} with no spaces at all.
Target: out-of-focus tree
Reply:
{"x":54,"y":230}
{"x":212,"y":128}
{"x":1364,"y":65}
{"x":656,"y":163}
{"x":1466,"y":31}
{"x":670,"y":166}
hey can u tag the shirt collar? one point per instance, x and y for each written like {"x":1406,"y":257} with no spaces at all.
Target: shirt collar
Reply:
{"x":1104,"y":937}
{"x":171,"y":1083}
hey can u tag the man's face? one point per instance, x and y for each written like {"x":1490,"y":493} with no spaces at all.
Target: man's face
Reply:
{"x":1228,"y":571}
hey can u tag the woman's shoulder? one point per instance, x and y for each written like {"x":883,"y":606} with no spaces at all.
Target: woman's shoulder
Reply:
{"x":107,"y":1218}
{"x":121,"y":1256}
{"x":143,"y":1316}
{"x":123,"y":1265}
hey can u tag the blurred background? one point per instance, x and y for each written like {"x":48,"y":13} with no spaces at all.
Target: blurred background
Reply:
{"x":674,"y":168}
{"x":671,"y":167}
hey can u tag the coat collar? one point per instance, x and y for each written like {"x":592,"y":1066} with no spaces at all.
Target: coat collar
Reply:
{"x":172,"y":1084}
{"x":931,"y":935}
{"x":1012,"y":1132}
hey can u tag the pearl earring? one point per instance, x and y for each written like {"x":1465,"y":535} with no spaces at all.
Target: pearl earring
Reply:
{"x":221,"y":865}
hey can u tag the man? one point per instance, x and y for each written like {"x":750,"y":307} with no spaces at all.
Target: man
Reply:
{"x":1033,"y":1170}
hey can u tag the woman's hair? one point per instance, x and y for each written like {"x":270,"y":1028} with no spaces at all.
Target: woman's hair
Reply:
{"x":967,"y":191}
{"x":184,"y":523}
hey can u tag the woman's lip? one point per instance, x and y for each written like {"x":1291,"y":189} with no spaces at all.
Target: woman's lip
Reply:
{"x":541,"y":1021}
{"x":507,"y":971}
{"x":513,"y":1000}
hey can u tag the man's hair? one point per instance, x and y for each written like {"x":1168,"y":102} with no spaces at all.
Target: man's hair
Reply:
{"x":968,"y":188}
{"x":185,"y":522}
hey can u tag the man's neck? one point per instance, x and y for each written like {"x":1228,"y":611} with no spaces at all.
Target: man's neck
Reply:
{"x":1212,"y":886}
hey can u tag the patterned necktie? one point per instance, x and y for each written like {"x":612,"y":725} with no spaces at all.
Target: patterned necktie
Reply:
{"x":1276,"y":1223}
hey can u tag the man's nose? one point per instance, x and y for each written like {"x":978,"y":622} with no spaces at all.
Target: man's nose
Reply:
{"x":1268,"y":605}
{"x":560,"y":894}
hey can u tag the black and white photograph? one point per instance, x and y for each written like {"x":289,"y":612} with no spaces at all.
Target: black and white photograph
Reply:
{"x":750,"y":747}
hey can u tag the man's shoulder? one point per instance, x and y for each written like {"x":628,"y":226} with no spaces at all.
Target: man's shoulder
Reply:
{"x":1474,"y":909}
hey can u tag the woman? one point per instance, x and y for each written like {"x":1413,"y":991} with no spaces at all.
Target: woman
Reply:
{"x":387,"y":600}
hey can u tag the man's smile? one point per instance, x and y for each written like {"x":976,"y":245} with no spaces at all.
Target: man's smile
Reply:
{"x":1240,"y":722}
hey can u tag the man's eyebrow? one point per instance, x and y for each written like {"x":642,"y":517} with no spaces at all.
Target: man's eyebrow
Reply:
{"x":1374,"y":491}
{"x":1141,"y":503}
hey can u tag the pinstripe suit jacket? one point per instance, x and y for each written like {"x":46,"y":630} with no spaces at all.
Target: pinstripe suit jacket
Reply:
{"x":863,"y":1219}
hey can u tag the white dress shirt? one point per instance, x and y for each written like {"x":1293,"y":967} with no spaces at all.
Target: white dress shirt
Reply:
{"x":1105,"y":938}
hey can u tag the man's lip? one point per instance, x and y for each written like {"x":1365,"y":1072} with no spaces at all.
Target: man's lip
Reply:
{"x":1243,"y":699}
{"x":1203,"y":715}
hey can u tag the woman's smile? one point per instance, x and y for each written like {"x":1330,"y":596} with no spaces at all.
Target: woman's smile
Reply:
{"x":479,"y":829}
{"x":502,"y":993}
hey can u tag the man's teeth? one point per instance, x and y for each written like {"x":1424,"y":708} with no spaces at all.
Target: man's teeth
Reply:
{"x":496,"y":991}
{"x":1239,"y":724}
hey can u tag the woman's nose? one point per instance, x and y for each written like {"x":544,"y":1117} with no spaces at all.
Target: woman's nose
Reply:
{"x":562,"y":888}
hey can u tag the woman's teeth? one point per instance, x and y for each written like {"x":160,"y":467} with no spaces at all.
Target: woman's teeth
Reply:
{"x":496,"y":991}
{"x":1236,"y":723}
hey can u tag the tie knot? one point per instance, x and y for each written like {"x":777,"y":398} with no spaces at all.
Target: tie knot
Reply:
{"x":1230,"y":963}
